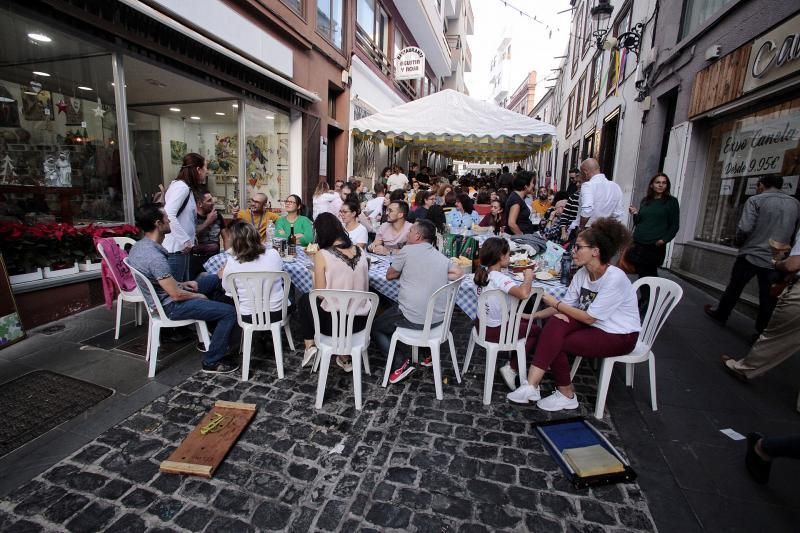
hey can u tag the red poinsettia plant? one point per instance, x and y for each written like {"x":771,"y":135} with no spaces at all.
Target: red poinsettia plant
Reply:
{"x":26,"y":247}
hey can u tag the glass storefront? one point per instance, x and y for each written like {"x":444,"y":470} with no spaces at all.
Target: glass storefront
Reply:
{"x":267,"y":153}
{"x":741,"y":150}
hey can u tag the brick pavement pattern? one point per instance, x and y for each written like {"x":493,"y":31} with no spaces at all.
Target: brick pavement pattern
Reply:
{"x":405,"y":462}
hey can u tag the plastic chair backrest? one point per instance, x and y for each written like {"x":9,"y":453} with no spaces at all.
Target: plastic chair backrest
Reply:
{"x":154,"y":308}
{"x":122,"y":242}
{"x":341,"y":304}
{"x":258,"y":287}
{"x":511,"y":311}
{"x":115,"y":275}
{"x":664,"y":296}
{"x":448,"y":292}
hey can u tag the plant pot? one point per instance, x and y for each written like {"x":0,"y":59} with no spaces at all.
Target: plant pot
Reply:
{"x":89,"y":266}
{"x":61,"y":272}
{"x":24,"y":278}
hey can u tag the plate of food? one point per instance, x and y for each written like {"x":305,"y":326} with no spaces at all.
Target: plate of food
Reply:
{"x":544,"y":276}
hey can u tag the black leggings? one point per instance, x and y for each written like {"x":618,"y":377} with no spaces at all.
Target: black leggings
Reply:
{"x":325,"y":325}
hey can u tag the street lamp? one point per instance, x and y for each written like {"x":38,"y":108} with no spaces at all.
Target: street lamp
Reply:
{"x":600,"y":13}
{"x":631,"y":40}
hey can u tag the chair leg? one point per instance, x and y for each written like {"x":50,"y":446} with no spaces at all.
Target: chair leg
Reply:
{"x":629,"y":369}
{"x":453,"y":357}
{"x":277,"y":345}
{"x":139,"y":306}
{"x":119,"y":317}
{"x":575,"y":364}
{"x":602,"y":387}
{"x":488,"y":382}
{"x":152,"y":350}
{"x":355,"y":356}
{"x":247,"y":346}
{"x":522,"y":364}
{"x":468,"y":358}
{"x":202,"y":333}
{"x":365,"y":358}
{"x":437,"y":369}
{"x":389,"y":360}
{"x":325,"y":363}
{"x":415,"y":355}
{"x":651,"y":361}
{"x":289,"y":338}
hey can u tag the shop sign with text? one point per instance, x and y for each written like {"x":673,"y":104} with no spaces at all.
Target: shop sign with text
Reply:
{"x":774,"y":55}
{"x":761,"y":148}
{"x":409,"y":64}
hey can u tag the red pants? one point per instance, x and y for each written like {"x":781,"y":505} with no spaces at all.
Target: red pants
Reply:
{"x":558,"y":338}
{"x":493,"y":335}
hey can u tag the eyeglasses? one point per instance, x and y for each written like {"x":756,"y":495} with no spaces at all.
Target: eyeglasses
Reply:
{"x":289,"y":202}
{"x":579,"y":246}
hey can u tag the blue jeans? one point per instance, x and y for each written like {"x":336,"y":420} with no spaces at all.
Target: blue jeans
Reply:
{"x":383,"y":329}
{"x":179,"y":265}
{"x":223,"y":314}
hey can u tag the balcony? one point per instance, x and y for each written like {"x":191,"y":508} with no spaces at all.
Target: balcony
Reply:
{"x":455,"y":44}
{"x":373,"y":52}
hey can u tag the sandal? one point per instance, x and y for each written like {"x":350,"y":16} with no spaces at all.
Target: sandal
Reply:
{"x":344,"y":364}
{"x":308,"y":355}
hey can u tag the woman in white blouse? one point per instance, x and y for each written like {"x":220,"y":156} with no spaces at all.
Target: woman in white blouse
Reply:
{"x":323,"y":199}
{"x":181,"y":209}
{"x":348,"y":214}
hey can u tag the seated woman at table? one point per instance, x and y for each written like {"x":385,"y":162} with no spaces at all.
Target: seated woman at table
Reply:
{"x":248,"y":254}
{"x":339,"y":264}
{"x":598,"y":317}
{"x":496,"y":219}
{"x":294,"y":218}
{"x":482,"y":203}
{"x":423,"y":201}
{"x":463,"y":216}
{"x":495,"y":255}
{"x":550,"y":226}
{"x":348,"y":214}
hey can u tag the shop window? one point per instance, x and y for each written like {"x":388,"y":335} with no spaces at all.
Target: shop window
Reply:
{"x":574,"y":155}
{"x":372,"y":32}
{"x":579,"y":101}
{"x":267,"y":153}
{"x":59,"y":153}
{"x":608,"y":144}
{"x":697,"y":12}
{"x":741,"y":150}
{"x":330,"y":19}
{"x":296,"y":5}
{"x":588,"y":145}
{"x":570,"y":102}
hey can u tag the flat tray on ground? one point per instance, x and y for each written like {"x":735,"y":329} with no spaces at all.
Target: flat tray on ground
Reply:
{"x":200,"y":454}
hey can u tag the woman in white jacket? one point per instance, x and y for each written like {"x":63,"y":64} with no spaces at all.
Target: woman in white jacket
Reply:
{"x":181,"y":209}
{"x":323,"y":200}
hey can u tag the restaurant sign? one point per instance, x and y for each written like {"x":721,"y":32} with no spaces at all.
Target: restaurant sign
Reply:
{"x":774,"y":55}
{"x":760,"y":148}
{"x":409,"y":64}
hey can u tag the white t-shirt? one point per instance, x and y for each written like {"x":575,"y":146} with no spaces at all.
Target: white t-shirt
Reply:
{"x":610,"y":300}
{"x":269,"y":261}
{"x":374,"y":206}
{"x":359,"y":235}
{"x":601,"y":198}
{"x":497,"y":280}
{"x":396,"y":181}
{"x":322,"y":203}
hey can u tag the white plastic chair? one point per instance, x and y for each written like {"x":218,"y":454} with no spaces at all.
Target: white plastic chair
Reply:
{"x":135,"y":296}
{"x":159,"y":319}
{"x":430,"y":337}
{"x":664,"y":296}
{"x":511,"y":310}
{"x":258,"y":288}
{"x":342,"y":341}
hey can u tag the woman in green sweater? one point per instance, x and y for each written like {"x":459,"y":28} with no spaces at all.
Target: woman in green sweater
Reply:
{"x":656,"y":223}
{"x":303,"y":229}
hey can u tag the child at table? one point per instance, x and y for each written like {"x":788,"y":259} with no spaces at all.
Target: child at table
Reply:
{"x":495,"y":254}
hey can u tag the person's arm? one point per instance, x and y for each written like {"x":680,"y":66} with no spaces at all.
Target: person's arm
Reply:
{"x":454,"y":272}
{"x":747,"y":222}
{"x":177,"y":291}
{"x":306,"y":231}
{"x":559,"y":307}
{"x":174,"y":198}
{"x":523,"y":290}
{"x":391,"y":273}
{"x":790,"y":265}
{"x":211,"y":218}
{"x":513,"y":213}
{"x":674,"y":221}
{"x":587,"y":203}
{"x":319,"y":271}
{"x":377,"y":246}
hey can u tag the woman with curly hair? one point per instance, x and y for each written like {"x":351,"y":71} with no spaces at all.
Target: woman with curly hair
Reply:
{"x":598,"y":317}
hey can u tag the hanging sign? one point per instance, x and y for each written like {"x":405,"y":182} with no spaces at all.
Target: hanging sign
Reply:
{"x":774,"y":55}
{"x":409,"y":64}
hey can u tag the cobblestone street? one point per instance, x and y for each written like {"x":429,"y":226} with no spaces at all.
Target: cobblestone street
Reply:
{"x":406,"y":462}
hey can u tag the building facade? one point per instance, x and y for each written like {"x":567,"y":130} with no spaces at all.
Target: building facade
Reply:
{"x":523,"y":98}
{"x":724,"y":112}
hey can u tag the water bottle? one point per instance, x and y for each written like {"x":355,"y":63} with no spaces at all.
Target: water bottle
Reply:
{"x":566,"y":266}
{"x":270,"y":234}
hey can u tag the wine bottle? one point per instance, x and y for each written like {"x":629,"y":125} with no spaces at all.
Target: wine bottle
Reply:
{"x":292,"y":248}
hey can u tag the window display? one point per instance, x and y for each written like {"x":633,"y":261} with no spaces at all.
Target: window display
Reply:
{"x":267,"y":154}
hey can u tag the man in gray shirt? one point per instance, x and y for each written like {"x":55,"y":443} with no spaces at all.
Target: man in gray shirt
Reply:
{"x":770,"y":214}
{"x":422,"y":270}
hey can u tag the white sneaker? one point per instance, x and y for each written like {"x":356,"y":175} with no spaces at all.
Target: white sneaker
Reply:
{"x":557,"y":402}
{"x":509,"y":376}
{"x":524,"y":394}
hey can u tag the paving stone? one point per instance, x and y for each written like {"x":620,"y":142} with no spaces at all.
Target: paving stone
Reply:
{"x":384,"y":492}
{"x":167,"y":483}
{"x":424,"y":523}
{"x":499,"y":472}
{"x":302,"y":471}
{"x":359,"y":504}
{"x":438,"y":482}
{"x":61,"y":474}
{"x":486,"y":491}
{"x":347,"y":486}
{"x":467,"y":433}
{"x":595,"y":511}
{"x":224,"y":523}
{"x":388,"y":515}
{"x":451,"y":506}
{"x":512,"y":456}
{"x":414,"y":498}
{"x":583,"y":527}
{"x":139,"y":498}
{"x":543,"y":524}
{"x":114,"y":489}
{"x":306,"y":451}
{"x":198,"y":490}
{"x":473,"y":528}
{"x":233,"y":502}
{"x":404,"y":476}
{"x":91,"y":453}
{"x":497,"y":516}
{"x":92,"y":518}
{"x":557,"y":505}
{"x":194,"y":518}
{"x":533,"y":479}
{"x":331,"y":515}
{"x":66,"y":508}
{"x":634,"y":518}
{"x":302,"y":523}
{"x":481,"y":451}
{"x":522,"y":498}
{"x":40,"y":500}
{"x":283,"y":445}
{"x":127,"y":523}
{"x":271,"y":516}
{"x":495,"y":437}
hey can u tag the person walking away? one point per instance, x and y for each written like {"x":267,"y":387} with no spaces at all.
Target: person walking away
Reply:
{"x":519,"y":216}
{"x":339,"y":264}
{"x":598,"y":317}
{"x":656,"y":222}
{"x":781,"y":338}
{"x":181,"y":208}
{"x":257,"y":214}
{"x":600,"y":197}
{"x":322,"y":199}
{"x":393,"y":233}
{"x":295,"y":219}
{"x":181,"y":300}
{"x":495,"y":255}
{"x":422,"y":270}
{"x":769,"y":214}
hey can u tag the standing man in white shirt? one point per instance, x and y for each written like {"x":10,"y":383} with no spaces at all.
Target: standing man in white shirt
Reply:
{"x":600,"y":197}
{"x":397,"y":180}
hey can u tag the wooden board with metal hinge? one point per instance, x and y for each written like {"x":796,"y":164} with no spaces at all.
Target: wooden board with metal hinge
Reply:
{"x":203,"y":450}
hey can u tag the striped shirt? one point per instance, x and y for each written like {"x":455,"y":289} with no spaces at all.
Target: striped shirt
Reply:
{"x":571,"y":210}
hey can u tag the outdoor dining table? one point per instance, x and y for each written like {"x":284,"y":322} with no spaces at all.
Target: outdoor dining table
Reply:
{"x":467,"y":300}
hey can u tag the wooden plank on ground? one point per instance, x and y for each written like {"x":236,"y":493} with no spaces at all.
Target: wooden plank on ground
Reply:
{"x":203,"y":450}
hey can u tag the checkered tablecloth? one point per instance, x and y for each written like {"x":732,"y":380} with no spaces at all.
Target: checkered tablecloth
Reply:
{"x":466,"y":300}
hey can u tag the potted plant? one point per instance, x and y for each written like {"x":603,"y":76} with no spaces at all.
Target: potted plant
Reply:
{"x":65,"y":251}
{"x":24,"y":251}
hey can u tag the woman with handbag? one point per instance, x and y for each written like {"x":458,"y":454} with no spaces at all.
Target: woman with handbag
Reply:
{"x":656,"y":223}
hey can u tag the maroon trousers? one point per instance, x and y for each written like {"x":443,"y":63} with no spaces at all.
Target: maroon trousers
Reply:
{"x":493,"y":335}
{"x":558,"y":338}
